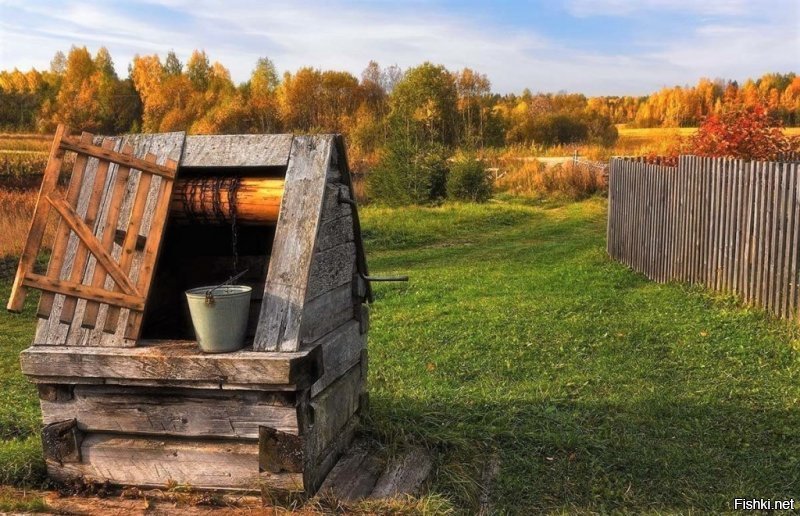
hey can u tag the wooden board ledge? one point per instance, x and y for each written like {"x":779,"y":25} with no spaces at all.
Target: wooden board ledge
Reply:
{"x":173,"y":361}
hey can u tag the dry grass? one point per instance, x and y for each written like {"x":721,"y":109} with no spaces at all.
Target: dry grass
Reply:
{"x":16,"y":209}
{"x":25,"y":142}
{"x":565,"y":181}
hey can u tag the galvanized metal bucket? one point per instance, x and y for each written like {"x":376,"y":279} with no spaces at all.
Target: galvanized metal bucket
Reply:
{"x":219,"y":316}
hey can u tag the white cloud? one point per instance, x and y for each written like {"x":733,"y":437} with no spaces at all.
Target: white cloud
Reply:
{"x":343,"y":36}
{"x":632,"y":7}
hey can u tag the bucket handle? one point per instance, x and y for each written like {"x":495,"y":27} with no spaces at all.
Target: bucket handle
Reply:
{"x":210,"y":292}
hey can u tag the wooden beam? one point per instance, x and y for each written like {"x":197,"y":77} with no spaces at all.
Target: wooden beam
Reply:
{"x":177,"y":412}
{"x":178,"y":361}
{"x":293,"y":247}
{"x":142,"y":461}
{"x":78,"y":290}
{"x":38,"y":222}
{"x":240,"y":150}
{"x":74,"y":144}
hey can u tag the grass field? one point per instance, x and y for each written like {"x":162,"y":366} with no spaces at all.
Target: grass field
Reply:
{"x":517,"y":338}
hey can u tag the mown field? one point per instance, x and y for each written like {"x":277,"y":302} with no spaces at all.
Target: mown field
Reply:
{"x":518,"y":342}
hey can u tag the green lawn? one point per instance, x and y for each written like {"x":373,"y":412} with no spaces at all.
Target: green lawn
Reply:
{"x":518,"y":338}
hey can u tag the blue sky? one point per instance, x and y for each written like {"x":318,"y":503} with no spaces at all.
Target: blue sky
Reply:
{"x":590,"y":46}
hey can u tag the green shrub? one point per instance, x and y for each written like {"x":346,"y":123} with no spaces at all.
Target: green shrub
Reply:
{"x":468,"y":181}
{"x":409,"y":174}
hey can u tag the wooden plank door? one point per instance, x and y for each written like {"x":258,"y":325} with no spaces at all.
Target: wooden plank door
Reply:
{"x":84,"y":264}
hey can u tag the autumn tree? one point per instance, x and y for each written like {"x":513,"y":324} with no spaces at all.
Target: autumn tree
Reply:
{"x":90,"y":95}
{"x":423,"y":105}
{"x":262,"y":94}
{"x":422,"y":125}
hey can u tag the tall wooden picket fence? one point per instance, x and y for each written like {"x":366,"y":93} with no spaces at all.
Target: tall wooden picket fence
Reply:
{"x":731,"y":225}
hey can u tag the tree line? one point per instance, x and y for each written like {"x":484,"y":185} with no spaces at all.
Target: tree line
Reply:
{"x":457,"y":108}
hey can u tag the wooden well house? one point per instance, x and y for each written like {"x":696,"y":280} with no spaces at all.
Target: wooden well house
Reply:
{"x":126,"y":395}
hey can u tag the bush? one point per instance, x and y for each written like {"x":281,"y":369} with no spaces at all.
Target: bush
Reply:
{"x":745,"y":133}
{"x":468,"y":181}
{"x":408,"y":174}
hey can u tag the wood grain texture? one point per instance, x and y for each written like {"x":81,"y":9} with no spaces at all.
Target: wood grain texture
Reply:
{"x":108,"y":232}
{"x":83,"y":292}
{"x":341,"y":350}
{"x":141,"y":461}
{"x":76,"y":145}
{"x":343,"y":168}
{"x":332,"y":409}
{"x":90,"y":209}
{"x":404,"y":475}
{"x":327,"y":312}
{"x":179,"y":361}
{"x":171,"y":412}
{"x":293,"y":248}
{"x":59,"y":247}
{"x":241,"y":150}
{"x":332,"y":268}
{"x":354,"y":476}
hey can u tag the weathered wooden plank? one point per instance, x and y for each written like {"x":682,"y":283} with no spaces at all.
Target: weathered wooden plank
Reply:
{"x":341,"y":350}
{"x":177,"y":412}
{"x":777,"y":288}
{"x":203,"y":464}
{"x":612,"y":206}
{"x":340,"y":157}
{"x":83,"y":292}
{"x":770,"y":229}
{"x":152,"y":168}
{"x":332,"y":417}
{"x":335,"y":232}
{"x":95,"y":190}
{"x":404,"y":475}
{"x":38,"y":222}
{"x":114,"y":204}
{"x":786,"y":253}
{"x":152,"y":249}
{"x":795,"y":236}
{"x":759,"y":232}
{"x":332,"y":409}
{"x":331,"y":269}
{"x":131,"y":234}
{"x":62,"y":230}
{"x":746,"y":232}
{"x":327,"y":312}
{"x":293,"y":248}
{"x":242,"y":150}
{"x":172,"y":361}
{"x":739,"y":209}
{"x":720,"y":215}
{"x":354,"y":476}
